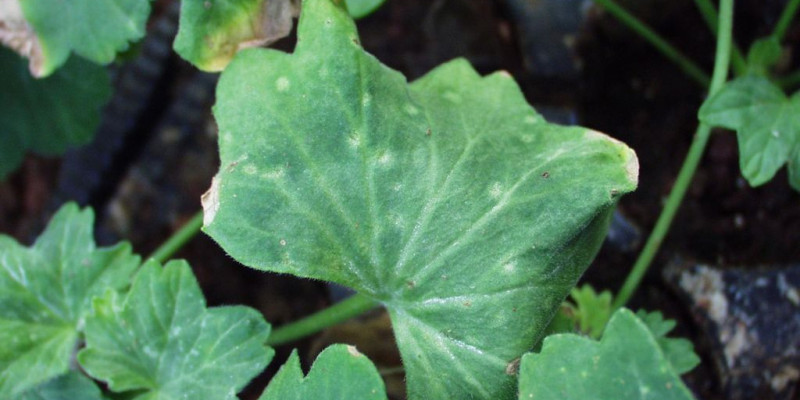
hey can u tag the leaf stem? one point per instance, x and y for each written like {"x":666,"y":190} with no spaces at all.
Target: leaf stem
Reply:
{"x":339,"y":312}
{"x":684,"y":63}
{"x":721,"y":65}
{"x":178,"y":239}
{"x":709,"y":13}
{"x":785,"y":19}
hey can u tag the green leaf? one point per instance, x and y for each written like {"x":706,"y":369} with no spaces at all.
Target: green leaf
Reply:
{"x":767,"y":125}
{"x":451,"y":201}
{"x":47,"y":115}
{"x":679,"y":351}
{"x":592,"y":310}
{"x":212,"y":31}
{"x":161,"y":339}
{"x":45,"y":296}
{"x":362,"y":8}
{"x":763,"y":54}
{"x":340,"y":372}
{"x":94,"y":29}
{"x":70,"y":386}
{"x":626,"y":364}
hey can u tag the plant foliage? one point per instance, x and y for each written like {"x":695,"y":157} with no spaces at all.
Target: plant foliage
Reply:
{"x":47,"y":115}
{"x":767,"y":125}
{"x":450,"y":200}
{"x":339,"y":372}
{"x":627,"y":363}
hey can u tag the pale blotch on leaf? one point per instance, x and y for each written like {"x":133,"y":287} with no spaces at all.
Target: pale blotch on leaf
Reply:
{"x":353,"y":351}
{"x":210,"y":202}
{"x":282,"y":84}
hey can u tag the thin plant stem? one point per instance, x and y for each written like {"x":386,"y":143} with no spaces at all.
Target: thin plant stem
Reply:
{"x":339,"y":312}
{"x":178,"y":239}
{"x":785,"y":19}
{"x":721,"y":66}
{"x":709,"y":13}
{"x":683,"y":62}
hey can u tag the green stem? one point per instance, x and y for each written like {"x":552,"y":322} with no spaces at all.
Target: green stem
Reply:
{"x":721,"y":65}
{"x":786,"y":18}
{"x":339,"y":312}
{"x":178,"y":239}
{"x":709,"y":13}
{"x":683,"y":62}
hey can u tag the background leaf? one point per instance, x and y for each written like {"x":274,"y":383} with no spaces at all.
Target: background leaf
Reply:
{"x":451,"y":201}
{"x":48,"y":115}
{"x":70,"y":386}
{"x":592,"y":310}
{"x":340,"y":372}
{"x":767,"y":125}
{"x":45,"y":296}
{"x":679,"y":351}
{"x":94,"y":29}
{"x":212,"y":31}
{"x":362,"y":8}
{"x":627,"y":363}
{"x":161,"y":338}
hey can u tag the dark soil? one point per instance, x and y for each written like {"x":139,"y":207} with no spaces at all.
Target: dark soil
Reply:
{"x":614,"y":82}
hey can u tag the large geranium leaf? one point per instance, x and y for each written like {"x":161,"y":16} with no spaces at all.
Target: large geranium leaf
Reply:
{"x":627,"y":363}
{"x":212,"y":31}
{"x":339,"y":372}
{"x":47,"y":115}
{"x":70,"y":386}
{"x":45,"y":296}
{"x":451,"y":201}
{"x":162,"y":340}
{"x":94,"y":29}
{"x":767,"y":125}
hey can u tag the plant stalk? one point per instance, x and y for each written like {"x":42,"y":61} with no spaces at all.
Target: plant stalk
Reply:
{"x":709,"y":13}
{"x":785,"y":19}
{"x":178,"y":239}
{"x":721,"y":65}
{"x":339,"y":312}
{"x":666,"y":49}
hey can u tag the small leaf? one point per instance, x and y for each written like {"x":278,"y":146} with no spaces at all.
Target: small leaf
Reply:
{"x":627,"y":363}
{"x":70,"y":386}
{"x":48,"y":115}
{"x":94,"y":29}
{"x":679,"y":351}
{"x":212,"y":31}
{"x":763,"y":54}
{"x":450,"y":200}
{"x":767,"y":124}
{"x":362,"y":8}
{"x":161,"y":339}
{"x":340,"y":372}
{"x":592,"y":310}
{"x":45,"y":296}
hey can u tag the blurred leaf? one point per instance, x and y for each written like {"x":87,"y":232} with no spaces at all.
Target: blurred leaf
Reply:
{"x":93,"y":29}
{"x":340,"y":372}
{"x":362,"y":8}
{"x":163,"y":340}
{"x":70,"y":386}
{"x":679,"y":351}
{"x":212,"y":31}
{"x":627,"y":363}
{"x":763,"y":54}
{"x":45,"y":296}
{"x":592,"y":310}
{"x":48,"y":115}
{"x":767,"y":126}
